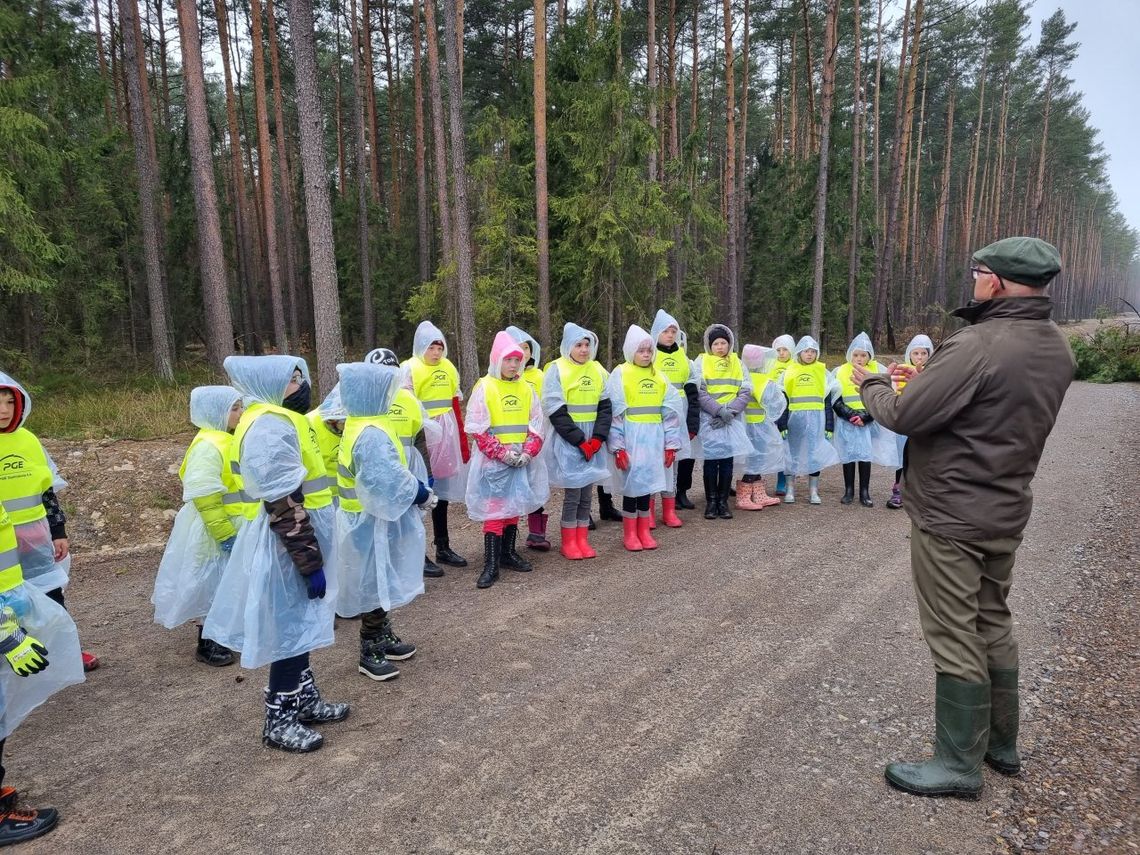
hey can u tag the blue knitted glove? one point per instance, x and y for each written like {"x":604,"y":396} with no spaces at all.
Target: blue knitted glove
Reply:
{"x":422,"y":494}
{"x":316,"y":583}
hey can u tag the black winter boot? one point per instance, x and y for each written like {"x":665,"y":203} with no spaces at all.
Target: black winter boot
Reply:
{"x":961,"y":734}
{"x":444,"y":554}
{"x":508,"y":557}
{"x":1001,"y":754}
{"x":392,"y":646}
{"x":722,"y":509}
{"x":865,"y":497}
{"x":683,"y":500}
{"x":312,"y":708}
{"x":431,"y":569}
{"x":606,"y":509}
{"x":492,"y":550}
{"x":282,"y":730}
{"x":848,"y":484}
{"x":212,"y":653}
{"x":711,"y":499}
{"x":373,"y":664}
{"x":865,"y":484}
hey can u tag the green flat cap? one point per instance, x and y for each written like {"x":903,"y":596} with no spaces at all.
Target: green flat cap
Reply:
{"x":1028,"y":260}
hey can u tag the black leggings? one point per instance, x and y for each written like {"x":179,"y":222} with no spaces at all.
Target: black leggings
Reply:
{"x":685,"y":475}
{"x":285,"y":674}
{"x":633,"y":506}
{"x":56,"y":595}
{"x":718,"y":475}
{"x":439,"y":522}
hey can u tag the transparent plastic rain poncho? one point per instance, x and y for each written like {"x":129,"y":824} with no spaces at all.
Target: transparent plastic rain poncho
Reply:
{"x":193,"y":562}
{"x":262,"y":607}
{"x":47,"y":621}
{"x":521,"y":336}
{"x":447,"y":466}
{"x":777,"y":368}
{"x":495,"y":490}
{"x":920,"y":340}
{"x":807,"y":448}
{"x":567,"y":467}
{"x":379,"y":551}
{"x":719,"y":442}
{"x":661,"y":322}
{"x":432,"y":431}
{"x":644,"y":442}
{"x":767,"y":444}
{"x":872,"y":442}
{"x":33,"y":539}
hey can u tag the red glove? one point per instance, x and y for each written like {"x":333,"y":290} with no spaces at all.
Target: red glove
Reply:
{"x":464,"y":448}
{"x":670,"y":457}
{"x":590,"y":447}
{"x":622,"y":460}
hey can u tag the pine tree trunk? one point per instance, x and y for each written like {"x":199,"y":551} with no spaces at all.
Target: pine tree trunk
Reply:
{"x":742,"y":154}
{"x":730,"y":303}
{"x":215,"y":295}
{"x":943,"y":221}
{"x":793,"y":104}
{"x":809,"y":80}
{"x":827,"y":92}
{"x":541,"y":195}
{"x":650,"y":76}
{"x":856,"y":164}
{"x":288,"y":217}
{"x":439,"y":132}
{"x":393,"y":117}
{"x":422,"y":229}
{"x":971,"y":182}
{"x":876,"y":144}
{"x":104,"y":76}
{"x":368,"y":84}
{"x":1039,"y":186}
{"x":461,"y":238}
{"x":164,"y":95}
{"x":359,"y":109}
{"x":146,"y":163}
{"x":341,"y":170}
{"x":265,"y":179}
{"x":322,"y":259}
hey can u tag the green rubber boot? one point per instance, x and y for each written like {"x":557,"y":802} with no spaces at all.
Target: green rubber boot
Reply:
{"x":962,"y":728}
{"x":1002,"y":754}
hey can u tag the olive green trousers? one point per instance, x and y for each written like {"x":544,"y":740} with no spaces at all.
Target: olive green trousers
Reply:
{"x":962,"y":588}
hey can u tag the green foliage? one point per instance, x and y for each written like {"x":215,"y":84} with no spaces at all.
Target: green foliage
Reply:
{"x":1110,"y":355}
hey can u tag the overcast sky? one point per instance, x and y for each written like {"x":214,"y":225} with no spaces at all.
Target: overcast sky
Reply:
{"x":1107,"y":71}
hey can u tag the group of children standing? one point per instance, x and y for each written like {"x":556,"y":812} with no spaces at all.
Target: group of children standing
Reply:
{"x":296,"y":514}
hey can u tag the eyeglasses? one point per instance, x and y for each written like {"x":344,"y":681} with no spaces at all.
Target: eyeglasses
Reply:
{"x":980,"y":271}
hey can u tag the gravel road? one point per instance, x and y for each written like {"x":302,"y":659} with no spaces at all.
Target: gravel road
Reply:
{"x":737,"y":691}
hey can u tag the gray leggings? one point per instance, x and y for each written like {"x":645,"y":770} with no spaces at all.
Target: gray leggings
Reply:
{"x":576,"y":507}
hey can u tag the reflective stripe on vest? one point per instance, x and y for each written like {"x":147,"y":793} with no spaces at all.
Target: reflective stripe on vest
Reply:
{"x":354,"y":426}
{"x":235,"y":501}
{"x":24,"y":476}
{"x":644,"y":390}
{"x":315,"y":487}
{"x":434,"y":385}
{"x":722,"y":376}
{"x":508,"y":404}
{"x":805,"y":386}
{"x":582,"y":388}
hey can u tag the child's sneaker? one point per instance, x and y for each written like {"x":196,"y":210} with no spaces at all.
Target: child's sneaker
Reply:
{"x":16,"y":826}
{"x":895,"y":501}
{"x":90,"y":663}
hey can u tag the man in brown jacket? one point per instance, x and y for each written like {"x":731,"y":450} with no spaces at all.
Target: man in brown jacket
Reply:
{"x":976,"y":418}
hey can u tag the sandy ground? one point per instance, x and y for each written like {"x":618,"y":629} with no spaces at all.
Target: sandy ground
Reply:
{"x":737,"y":691}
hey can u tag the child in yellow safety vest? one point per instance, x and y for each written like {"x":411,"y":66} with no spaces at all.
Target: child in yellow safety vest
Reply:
{"x":859,"y":439}
{"x":275,"y":602}
{"x":725,"y":389}
{"x":207,"y":525}
{"x":379,"y":524}
{"x":504,"y":417}
{"x":327,"y":422}
{"x":435,"y":382}
{"x":645,"y":435}
{"x":809,"y":421}
{"x":575,"y":400}
{"x":29,"y":480}
{"x":532,"y":358}
{"x":765,"y":407}
{"x":671,"y":361}
{"x":783,"y":345}
{"x":920,"y":349}
{"x":41,"y":648}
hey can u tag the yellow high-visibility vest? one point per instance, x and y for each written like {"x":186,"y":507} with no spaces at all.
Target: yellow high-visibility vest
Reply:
{"x":346,"y":468}
{"x":405,"y":415}
{"x":534,"y":375}
{"x":508,"y":402}
{"x":805,"y":386}
{"x":235,"y":501}
{"x":754,"y":413}
{"x":722,"y":375}
{"x":11,"y":575}
{"x":434,"y":385}
{"x":852,"y":397}
{"x":644,"y":390}
{"x":675,"y":366}
{"x":24,"y":476}
{"x":582,"y":387}
{"x":329,"y":443}
{"x":316,"y":484}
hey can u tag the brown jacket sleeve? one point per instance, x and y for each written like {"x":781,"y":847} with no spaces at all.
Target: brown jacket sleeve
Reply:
{"x":934,"y":398}
{"x":290,"y":522}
